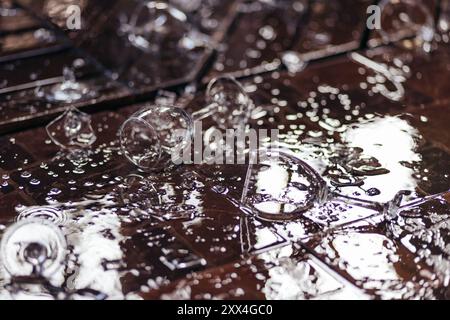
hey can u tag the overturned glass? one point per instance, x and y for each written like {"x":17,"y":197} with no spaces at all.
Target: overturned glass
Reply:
{"x":148,"y":138}
{"x":154,"y":135}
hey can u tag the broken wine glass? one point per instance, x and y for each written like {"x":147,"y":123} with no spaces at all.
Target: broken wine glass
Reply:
{"x":72,"y":130}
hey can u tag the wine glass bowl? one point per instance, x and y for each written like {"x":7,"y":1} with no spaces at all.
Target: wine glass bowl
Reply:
{"x":282,"y":187}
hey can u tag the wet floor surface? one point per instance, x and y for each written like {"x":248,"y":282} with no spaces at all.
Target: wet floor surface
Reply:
{"x":183,"y":234}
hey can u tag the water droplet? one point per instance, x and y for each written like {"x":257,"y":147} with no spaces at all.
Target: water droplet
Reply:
{"x":35,"y":182}
{"x":267,"y":33}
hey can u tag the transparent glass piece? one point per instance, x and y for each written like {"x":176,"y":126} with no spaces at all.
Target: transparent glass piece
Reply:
{"x":154,"y":135}
{"x":70,"y":89}
{"x":33,"y":247}
{"x":279,"y":186}
{"x":228,"y":104}
{"x":72,"y":130}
